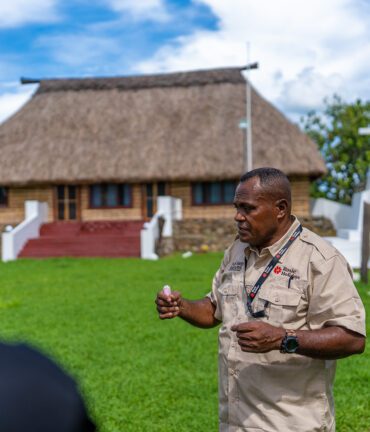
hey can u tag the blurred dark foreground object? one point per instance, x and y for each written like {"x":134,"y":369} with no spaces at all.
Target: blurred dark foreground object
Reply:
{"x":36,"y":395}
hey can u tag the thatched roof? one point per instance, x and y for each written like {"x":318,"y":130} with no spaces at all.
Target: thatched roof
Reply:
{"x":181,"y":126}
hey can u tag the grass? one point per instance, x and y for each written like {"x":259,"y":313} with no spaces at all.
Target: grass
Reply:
{"x":352,"y":384}
{"x":97,"y":317}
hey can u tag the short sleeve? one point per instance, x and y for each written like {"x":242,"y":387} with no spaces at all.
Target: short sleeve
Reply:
{"x":214,"y":294}
{"x":334,"y":298}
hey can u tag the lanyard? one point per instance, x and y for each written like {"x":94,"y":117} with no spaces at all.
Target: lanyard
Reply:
{"x":266,"y":273}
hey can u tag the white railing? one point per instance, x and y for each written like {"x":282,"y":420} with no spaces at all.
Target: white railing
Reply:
{"x":169,"y":209}
{"x":339,"y":214}
{"x":149,"y":235}
{"x":347,"y":220}
{"x":36,"y":213}
{"x":348,"y":223}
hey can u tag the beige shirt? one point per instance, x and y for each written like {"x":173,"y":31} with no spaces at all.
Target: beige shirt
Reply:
{"x":311,"y":287}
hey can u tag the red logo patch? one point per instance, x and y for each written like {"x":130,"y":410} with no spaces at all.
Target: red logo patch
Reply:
{"x":277,"y":269}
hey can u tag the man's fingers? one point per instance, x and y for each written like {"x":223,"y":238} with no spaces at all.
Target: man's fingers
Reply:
{"x":168,"y":306}
{"x":165,"y":301}
{"x":243,"y":327}
{"x":167,"y":309}
{"x":168,"y":315}
{"x":169,"y":299}
{"x":252,"y":347}
{"x":247,"y":345}
{"x":164,"y":298}
{"x":244,"y":336}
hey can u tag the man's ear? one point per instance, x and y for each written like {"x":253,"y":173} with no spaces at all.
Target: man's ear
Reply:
{"x":281,"y":207}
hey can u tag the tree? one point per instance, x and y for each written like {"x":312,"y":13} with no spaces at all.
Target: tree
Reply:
{"x":346,"y":153}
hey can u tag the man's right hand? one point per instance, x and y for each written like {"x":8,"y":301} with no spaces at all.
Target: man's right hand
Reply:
{"x":168,"y":306}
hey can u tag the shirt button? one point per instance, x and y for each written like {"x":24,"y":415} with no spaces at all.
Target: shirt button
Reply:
{"x":232,"y":372}
{"x":277,"y":299}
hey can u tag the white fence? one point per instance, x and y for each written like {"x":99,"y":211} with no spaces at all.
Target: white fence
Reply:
{"x":348,"y":222}
{"x":339,"y":214}
{"x":13,"y":241}
{"x":169,"y":209}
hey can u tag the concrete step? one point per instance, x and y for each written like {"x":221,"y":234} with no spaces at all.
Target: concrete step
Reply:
{"x":98,"y":227}
{"x":96,"y":239}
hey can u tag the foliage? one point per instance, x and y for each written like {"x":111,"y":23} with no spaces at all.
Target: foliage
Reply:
{"x":97,"y":317}
{"x":346,"y":153}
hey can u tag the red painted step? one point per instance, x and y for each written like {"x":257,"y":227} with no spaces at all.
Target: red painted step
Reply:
{"x":86,"y":239}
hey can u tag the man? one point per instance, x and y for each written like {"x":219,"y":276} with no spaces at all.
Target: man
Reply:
{"x":288,"y":309}
{"x":36,"y":395}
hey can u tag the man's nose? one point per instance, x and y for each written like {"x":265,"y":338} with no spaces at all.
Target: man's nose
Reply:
{"x":239,"y":216}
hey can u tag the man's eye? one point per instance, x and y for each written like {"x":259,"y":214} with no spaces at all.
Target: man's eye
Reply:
{"x":244,"y":209}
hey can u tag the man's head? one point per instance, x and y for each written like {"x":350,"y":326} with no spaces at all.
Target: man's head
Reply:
{"x":263,"y":206}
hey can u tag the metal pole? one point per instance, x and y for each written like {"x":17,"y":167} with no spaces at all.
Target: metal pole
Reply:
{"x":365,"y":242}
{"x":248,"y":132}
{"x":247,"y":122}
{"x":366,"y":222}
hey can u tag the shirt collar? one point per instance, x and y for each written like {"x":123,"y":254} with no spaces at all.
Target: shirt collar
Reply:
{"x":274,"y":249}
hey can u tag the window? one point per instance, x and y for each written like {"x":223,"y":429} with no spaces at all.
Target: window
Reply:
{"x":213,"y":193}
{"x":3,"y":196}
{"x":110,"y":195}
{"x":161,"y":188}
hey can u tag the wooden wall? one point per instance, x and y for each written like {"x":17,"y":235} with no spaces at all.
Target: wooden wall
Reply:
{"x":14,"y":212}
{"x":133,"y":213}
{"x":183,"y":191}
{"x":300,"y":198}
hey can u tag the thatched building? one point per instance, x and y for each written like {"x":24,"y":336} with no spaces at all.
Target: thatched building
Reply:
{"x":104,"y":148}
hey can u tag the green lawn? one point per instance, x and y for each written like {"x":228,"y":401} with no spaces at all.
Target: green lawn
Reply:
{"x":97,"y":317}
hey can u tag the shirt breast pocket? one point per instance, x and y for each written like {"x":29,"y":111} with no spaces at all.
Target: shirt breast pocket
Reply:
{"x":229,"y":299}
{"x":283,"y":304}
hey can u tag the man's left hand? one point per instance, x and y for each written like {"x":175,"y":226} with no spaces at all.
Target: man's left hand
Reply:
{"x":258,"y":336}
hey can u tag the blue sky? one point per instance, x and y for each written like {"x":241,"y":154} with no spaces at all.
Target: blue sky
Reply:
{"x":306,"y":50}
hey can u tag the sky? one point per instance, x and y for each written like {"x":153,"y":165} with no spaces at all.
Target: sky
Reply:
{"x":306,"y":50}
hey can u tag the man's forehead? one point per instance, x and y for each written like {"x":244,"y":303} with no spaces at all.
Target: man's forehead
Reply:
{"x":249,"y":190}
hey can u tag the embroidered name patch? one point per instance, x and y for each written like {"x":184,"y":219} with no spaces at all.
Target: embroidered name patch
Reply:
{"x":236,"y":266}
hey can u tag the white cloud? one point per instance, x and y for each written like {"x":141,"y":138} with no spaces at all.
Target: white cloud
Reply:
{"x":308,"y":90}
{"x":17,"y":12}
{"x":13,"y":98}
{"x":306,"y":50}
{"x":154,"y":10}
{"x":80,"y":50}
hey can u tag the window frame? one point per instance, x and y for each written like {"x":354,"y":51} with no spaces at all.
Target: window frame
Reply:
{"x":104,"y":196}
{"x":206,"y":195}
{"x":5,"y":204}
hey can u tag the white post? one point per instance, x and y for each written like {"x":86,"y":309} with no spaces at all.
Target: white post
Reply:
{"x":170,"y":209}
{"x":36,"y":213}
{"x":247,"y":122}
{"x":248,"y":135}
